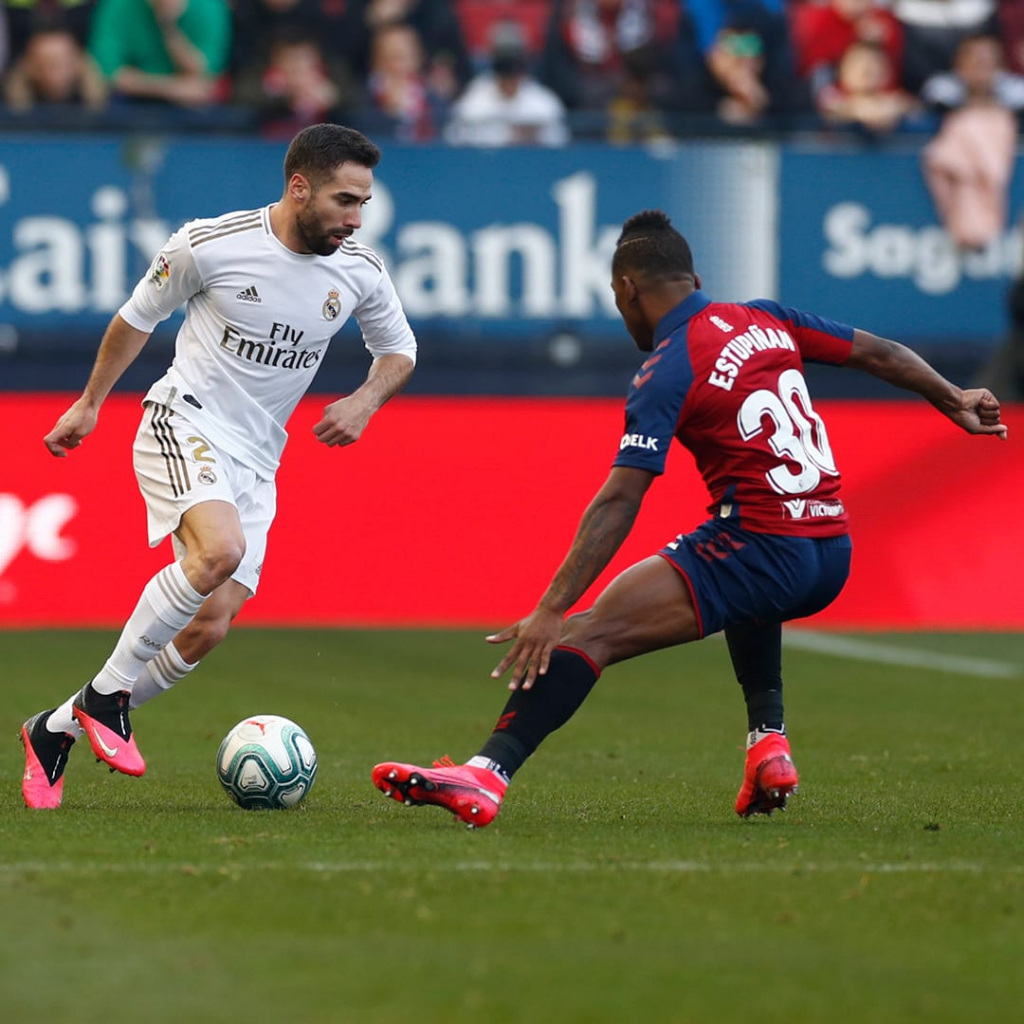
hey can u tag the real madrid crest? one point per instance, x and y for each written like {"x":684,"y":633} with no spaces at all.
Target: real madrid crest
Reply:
{"x":332,"y":307}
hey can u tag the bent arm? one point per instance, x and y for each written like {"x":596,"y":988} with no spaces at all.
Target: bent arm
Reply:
{"x":120,"y":346}
{"x":185,"y":55}
{"x":387,"y":375}
{"x":345,"y":420}
{"x":975,"y":410}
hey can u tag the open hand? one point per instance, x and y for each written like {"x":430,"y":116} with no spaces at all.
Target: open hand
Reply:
{"x":535,"y":637}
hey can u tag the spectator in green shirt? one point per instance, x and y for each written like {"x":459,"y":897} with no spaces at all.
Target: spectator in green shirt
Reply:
{"x":170,"y":51}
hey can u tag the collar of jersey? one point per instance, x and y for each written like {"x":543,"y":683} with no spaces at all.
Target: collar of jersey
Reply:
{"x":678,"y":315}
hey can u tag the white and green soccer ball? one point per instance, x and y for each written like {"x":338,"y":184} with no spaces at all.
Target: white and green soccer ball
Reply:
{"x":266,"y":761}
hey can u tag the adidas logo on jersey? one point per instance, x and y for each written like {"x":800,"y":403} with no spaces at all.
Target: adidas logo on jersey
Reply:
{"x":249,"y":294}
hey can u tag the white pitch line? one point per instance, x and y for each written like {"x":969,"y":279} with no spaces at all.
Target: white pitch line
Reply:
{"x":670,"y":867}
{"x":890,"y":654}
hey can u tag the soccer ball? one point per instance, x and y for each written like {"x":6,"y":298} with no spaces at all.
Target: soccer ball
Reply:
{"x":266,"y":761}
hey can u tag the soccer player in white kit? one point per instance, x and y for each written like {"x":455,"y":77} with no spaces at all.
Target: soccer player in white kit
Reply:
{"x":264,"y":291}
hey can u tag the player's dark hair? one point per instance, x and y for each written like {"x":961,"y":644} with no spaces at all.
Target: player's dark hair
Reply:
{"x":650,"y":245}
{"x":317,"y":150}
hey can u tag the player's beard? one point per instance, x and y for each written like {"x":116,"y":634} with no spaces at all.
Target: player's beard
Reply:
{"x":313,"y":235}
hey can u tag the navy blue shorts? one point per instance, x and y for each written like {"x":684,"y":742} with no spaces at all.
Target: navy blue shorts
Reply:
{"x":736,"y":576}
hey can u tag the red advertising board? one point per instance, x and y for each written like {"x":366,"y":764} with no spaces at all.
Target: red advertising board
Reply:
{"x":455,"y":511}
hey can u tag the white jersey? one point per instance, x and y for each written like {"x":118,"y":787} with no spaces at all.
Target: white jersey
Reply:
{"x":258,"y":320}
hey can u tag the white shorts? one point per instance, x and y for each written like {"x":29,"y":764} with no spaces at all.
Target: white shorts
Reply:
{"x":176,"y":468}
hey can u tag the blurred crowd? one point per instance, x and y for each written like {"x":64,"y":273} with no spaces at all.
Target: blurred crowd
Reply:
{"x":541,"y":72}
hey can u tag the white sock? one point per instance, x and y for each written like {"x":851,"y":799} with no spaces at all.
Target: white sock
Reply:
{"x":61,"y":720}
{"x":166,"y":669}
{"x":492,"y":766}
{"x":167,"y":605}
{"x":755,"y":735}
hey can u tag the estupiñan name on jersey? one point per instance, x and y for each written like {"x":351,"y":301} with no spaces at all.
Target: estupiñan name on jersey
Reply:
{"x":738,"y":350}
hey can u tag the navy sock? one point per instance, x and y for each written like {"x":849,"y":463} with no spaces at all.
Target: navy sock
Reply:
{"x":531,"y":715}
{"x":756,"y":653}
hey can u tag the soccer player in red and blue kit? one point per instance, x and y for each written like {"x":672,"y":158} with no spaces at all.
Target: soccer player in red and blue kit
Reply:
{"x":726,"y":380}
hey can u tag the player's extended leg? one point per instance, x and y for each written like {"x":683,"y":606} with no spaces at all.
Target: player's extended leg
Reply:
{"x":214,"y":544}
{"x":211,"y":534}
{"x":645,"y":608}
{"x":255,"y":502}
{"x":770,"y":777}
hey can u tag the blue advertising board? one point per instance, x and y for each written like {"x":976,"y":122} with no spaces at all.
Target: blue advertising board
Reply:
{"x":500,"y":251}
{"x":859,"y":241}
{"x":481,"y":244}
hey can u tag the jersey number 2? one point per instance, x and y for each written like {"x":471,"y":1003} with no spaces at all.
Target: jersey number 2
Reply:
{"x":799,"y":435}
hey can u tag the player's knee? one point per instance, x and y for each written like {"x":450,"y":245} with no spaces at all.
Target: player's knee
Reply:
{"x":214,"y":565}
{"x":585,"y":632}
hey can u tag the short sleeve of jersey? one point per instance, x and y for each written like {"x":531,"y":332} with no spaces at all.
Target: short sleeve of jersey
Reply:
{"x":820,"y":340}
{"x":382,"y":319}
{"x":653,"y":407}
{"x":172,"y":279}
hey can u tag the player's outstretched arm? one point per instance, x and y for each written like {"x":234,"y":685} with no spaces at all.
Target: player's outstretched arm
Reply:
{"x":345,"y":419}
{"x":605,"y":525}
{"x":120,"y":345}
{"x":976,"y":410}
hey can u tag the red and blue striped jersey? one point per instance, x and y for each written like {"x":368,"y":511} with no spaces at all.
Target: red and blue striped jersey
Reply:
{"x":726,"y":380}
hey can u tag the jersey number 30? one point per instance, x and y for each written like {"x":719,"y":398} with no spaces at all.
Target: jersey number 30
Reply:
{"x":799,"y":435}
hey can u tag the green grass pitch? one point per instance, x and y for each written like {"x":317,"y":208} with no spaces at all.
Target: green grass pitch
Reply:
{"x":616,"y":886}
